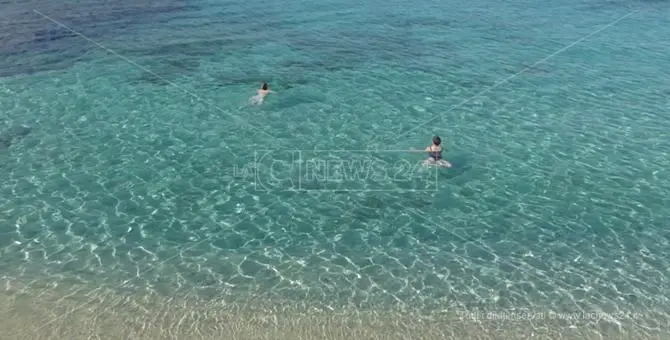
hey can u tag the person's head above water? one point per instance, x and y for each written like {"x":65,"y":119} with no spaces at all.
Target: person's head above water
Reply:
{"x":437,"y":140}
{"x":264,"y":87}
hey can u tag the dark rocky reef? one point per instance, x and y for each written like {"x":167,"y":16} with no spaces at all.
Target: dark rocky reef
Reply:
{"x":31,"y":43}
{"x":12,"y":135}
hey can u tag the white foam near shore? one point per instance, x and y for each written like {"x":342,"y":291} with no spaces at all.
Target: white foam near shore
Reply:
{"x":78,"y":312}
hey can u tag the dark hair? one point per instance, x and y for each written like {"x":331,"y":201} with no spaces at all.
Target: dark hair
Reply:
{"x":437,"y":140}
{"x":265,"y":86}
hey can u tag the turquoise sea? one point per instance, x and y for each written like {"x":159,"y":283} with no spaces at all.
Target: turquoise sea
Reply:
{"x":131,"y":159}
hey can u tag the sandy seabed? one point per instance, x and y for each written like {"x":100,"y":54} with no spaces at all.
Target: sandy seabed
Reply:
{"x":79,"y":312}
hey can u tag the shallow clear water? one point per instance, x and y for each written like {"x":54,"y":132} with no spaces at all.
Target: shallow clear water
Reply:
{"x":144,"y":168}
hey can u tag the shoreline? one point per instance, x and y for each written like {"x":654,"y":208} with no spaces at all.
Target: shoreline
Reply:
{"x":81,"y":312}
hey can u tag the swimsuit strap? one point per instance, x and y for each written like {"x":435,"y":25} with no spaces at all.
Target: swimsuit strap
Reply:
{"x":435,"y":154}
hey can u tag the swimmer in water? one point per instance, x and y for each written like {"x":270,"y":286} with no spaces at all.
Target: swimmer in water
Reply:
{"x":264,"y":90}
{"x":260,"y":94}
{"x":435,"y":154}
